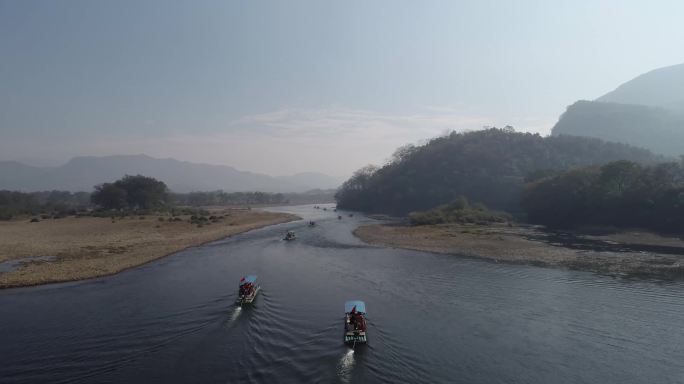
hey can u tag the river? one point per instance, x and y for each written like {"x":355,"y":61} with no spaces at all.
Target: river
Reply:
{"x":432,"y":318}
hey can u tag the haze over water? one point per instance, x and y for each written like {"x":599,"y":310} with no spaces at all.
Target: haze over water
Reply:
{"x":432,"y":318}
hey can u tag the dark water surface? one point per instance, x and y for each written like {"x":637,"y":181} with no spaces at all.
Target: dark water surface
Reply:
{"x":432,"y":319}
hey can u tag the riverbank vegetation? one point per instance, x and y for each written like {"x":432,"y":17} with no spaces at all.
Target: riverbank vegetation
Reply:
{"x":130,"y":195}
{"x":221,"y":198}
{"x":139,"y":195}
{"x":620,"y":194}
{"x":228,"y":199}
{"x":49,"y":204}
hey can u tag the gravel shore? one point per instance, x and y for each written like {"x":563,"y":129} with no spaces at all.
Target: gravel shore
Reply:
{"x":624,"y":253}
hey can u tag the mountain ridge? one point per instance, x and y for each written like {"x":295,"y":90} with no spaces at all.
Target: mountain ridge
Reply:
{"x":647,"y":111}
{"x":81,"y":173}
{"x":661,"y":87}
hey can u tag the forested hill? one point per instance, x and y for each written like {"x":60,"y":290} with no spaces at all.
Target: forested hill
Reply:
{"x":488,"y":166}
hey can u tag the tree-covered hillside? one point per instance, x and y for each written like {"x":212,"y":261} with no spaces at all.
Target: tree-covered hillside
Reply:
{"x":488,"y":166}
{"x":621,"y":194}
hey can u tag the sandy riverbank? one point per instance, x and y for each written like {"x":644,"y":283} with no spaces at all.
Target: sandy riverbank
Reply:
{"x":625,"y":253}
{"x":89,"y":247}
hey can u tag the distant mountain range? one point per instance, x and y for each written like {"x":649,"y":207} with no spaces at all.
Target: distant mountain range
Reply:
{"x":647,"y":111}
{"x":82,"y":173}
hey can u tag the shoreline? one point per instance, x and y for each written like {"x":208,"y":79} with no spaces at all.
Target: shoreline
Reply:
{"x":90,"y":247}
{"x":627,"y":253}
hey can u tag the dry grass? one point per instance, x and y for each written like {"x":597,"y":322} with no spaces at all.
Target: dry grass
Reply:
{"x":90,"y":247}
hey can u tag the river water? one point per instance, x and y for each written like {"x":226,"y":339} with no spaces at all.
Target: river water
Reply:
{"x":432,"y":319}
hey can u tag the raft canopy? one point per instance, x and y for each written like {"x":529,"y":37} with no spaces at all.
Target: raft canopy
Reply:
{"x":249,"y":279}
{"x":360,"y":306}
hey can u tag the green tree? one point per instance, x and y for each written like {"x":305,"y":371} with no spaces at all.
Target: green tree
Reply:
{"x":618,"y":176}
{"x":131,"y":192}
{"x":143,"y":192}
{"x":109,"y":196}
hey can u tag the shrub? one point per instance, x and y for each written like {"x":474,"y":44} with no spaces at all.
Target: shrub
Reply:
{"x":459,"y":211}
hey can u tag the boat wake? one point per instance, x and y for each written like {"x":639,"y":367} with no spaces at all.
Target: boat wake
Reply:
{"x":236,"y":314}
{"x":346,"y":366}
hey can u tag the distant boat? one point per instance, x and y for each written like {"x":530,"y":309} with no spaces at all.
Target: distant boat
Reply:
{"x":339,"y":217}
{"x":249,"y":288}
{"x":355,"y":322}
{"x":289,"y":236}
{"x":312,"y":223}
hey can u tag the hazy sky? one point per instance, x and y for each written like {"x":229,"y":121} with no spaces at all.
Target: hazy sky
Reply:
{"x":286,"y":86}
